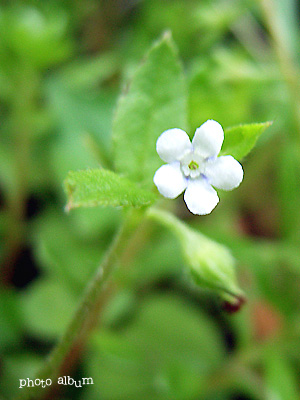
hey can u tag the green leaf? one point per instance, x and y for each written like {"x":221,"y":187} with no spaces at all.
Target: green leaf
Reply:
{"x":100,"y":187}
{"x":47,"y":308}
{"x":154,"y":102}
{"x":239,"y":140}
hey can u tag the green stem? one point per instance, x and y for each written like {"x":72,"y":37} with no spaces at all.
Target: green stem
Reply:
{"x":86,"y":314}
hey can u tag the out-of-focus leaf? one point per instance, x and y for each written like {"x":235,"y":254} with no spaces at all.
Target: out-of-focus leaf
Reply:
{"x":44,"y":40}
{"x":68,"y":257}
{"x":288,"y":23}
{"x":165,"y":353}
{"x":87,"y":73}
{"x":179,"y":17}
{"x":94,"y":222}
{"x":7,"y":173}
{"x":10,"y":318}
{"x":119,"y":308}
{"x":160,"y":259}
{"x":239,"y":140}
{"x":67,"y":154}
{"x":79,"y":109}
{"x":281,"y":380}
{"x":155,"y":101}
{"x":47,"y":308}
{"x":288,"y":188}
{"x":83,"y":118}
{"x":16,"y":367}
{"x":99,"y":187}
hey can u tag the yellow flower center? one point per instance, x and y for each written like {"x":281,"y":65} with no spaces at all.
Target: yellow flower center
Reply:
{"x":193,"y":165}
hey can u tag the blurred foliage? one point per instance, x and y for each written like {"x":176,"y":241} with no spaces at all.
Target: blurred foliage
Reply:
{"x":62,"y":66}
{"x":142,"y":362}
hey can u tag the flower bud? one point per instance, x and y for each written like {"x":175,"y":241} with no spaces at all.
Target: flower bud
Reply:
{"x":211,"y":264}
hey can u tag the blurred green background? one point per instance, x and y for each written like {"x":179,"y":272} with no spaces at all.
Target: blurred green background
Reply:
{"x":62,"y":66}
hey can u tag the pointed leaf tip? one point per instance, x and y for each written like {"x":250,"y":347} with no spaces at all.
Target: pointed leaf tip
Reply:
{"x":154,"y":102}
{"x":240,"y":140}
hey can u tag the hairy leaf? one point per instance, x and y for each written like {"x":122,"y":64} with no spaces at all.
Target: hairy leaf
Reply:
{"x":154,"y":102}
{"x":239,"y":140}
{"x":96,"y":187}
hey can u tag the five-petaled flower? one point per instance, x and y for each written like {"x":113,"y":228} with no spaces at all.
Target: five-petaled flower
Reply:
{"x":195,"y":167}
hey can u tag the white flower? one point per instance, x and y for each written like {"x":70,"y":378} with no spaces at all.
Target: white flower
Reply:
{"x":195,"y":167}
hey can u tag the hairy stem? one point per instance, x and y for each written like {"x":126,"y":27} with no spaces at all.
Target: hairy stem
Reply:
{"x":86,"y":315}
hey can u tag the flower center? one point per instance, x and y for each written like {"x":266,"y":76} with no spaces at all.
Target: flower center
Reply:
{"x":193,"y":165}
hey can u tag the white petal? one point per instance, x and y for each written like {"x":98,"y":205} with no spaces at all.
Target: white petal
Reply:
{"x":173,"y":144}
{"x":200,"y":197}
{"x":208,"y":139}
{"x":169,"y":180}
{"x":224,"y":173}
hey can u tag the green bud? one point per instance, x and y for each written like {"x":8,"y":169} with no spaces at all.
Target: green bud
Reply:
{"x":211,"y":264}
